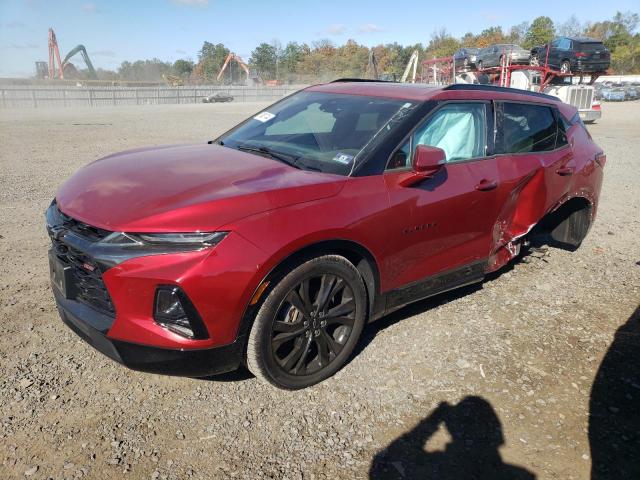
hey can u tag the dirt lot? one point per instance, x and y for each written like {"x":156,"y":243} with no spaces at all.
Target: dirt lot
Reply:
{"x":520,"y":352}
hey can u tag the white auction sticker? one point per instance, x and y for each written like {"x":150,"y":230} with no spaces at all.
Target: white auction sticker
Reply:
{"x":343,"y":158}
{"x":264,"y":117}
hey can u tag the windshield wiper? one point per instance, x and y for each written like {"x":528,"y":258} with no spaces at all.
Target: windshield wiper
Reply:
{"x":282,"y":157}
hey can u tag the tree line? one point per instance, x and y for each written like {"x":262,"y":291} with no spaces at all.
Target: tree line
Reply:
{"x":323,"y":60}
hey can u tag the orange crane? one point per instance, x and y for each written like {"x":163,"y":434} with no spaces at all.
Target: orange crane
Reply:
{"x":233,"y":56}
{"x":54,"y":53}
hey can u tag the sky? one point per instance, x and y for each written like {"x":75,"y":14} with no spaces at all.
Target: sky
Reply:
{"x":117,"y":30}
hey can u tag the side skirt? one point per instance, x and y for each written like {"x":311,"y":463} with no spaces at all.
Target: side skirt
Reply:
{"x":434,"y":285}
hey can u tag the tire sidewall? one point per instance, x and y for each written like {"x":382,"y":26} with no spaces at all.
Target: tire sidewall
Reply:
{"x":262,"y":359}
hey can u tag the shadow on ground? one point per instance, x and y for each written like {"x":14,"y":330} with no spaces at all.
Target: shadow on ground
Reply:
{"x":614,"y":408}
{"x":476,"y":435}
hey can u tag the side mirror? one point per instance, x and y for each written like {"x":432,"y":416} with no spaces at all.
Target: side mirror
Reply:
{"x":428,"y":160}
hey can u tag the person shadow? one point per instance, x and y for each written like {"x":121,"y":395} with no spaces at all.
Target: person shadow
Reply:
{"x":614,"y":408}
{"x":472,"y":454}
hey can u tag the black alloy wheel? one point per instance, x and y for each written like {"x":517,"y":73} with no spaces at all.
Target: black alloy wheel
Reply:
{"x":313,"y":324}
{"x":309,"y":323}
{"x":534,"y":60}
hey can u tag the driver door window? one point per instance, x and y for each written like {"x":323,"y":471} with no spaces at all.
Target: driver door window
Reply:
{"x":457,"y":128}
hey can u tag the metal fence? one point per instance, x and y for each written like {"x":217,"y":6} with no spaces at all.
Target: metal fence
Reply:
{"x":46,"y":97}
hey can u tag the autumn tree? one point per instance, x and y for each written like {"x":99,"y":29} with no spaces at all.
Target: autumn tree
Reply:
{"x":490,"y":36}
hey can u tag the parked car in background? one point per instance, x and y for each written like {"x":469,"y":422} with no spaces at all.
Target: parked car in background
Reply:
{"x":466,"y":57}
{"x":569,"y":54}
{"x":631,"y":92}
{"x":219,"y":97}
{"x":274,"y":244}
{"x":613,"y":94}
{"x":492,"y":56}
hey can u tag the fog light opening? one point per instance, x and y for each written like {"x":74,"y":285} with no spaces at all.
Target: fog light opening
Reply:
{"x":174,"y":311}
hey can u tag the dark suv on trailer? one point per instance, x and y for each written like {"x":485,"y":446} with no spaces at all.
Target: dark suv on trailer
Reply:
{"x":578,"y":55}
{"x":273,"y":245}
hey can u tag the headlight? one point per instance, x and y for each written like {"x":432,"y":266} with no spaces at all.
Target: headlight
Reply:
{"x":178,"y":241}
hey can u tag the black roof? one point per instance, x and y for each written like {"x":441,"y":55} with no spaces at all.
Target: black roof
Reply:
{"x":584,"y":39}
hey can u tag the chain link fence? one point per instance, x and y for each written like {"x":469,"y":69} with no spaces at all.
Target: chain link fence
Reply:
{"x":66,"y":96}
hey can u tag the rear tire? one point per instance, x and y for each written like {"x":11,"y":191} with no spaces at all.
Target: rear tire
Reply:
{"x":309,"y":324}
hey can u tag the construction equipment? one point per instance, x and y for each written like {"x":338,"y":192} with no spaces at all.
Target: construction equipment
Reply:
{"x":85,"y":56}
{"x":413,"y":64}
{"x":173,"y":80}
{"x":371,"y":72}
{"x":54,"y":59}
{"x":238,"y":60}
{"x":54,"y":55}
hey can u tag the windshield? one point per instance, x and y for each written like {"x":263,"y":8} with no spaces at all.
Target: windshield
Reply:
{"x":319,"y":131}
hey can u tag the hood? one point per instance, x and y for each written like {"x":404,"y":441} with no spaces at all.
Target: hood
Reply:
{"x":186,"y":188}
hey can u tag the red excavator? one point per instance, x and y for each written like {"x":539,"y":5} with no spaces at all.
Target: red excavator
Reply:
{"x":54,"y":56}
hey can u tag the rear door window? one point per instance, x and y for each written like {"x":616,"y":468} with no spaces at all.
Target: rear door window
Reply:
{"x":591,"y":46}
{"x":527,"y":128}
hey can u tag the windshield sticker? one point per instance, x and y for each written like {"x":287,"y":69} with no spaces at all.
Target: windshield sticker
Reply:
{"x":264,"y":117}
{"x":343,"y":158}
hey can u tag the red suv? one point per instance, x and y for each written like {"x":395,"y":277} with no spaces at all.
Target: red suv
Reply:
{"x":274,"y":244}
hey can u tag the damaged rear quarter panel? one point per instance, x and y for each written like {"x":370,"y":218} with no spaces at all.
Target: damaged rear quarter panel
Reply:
{"x":532,"y":188}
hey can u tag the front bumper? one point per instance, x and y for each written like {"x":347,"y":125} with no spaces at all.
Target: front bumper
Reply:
{"x":590,"y":115}
{"x":93,"y":326}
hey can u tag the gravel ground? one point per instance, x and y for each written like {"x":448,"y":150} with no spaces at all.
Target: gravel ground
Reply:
{"x":520,"y":352}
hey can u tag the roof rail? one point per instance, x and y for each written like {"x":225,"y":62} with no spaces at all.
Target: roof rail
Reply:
{"x":494,"y":88}
{"x":359,"y":80}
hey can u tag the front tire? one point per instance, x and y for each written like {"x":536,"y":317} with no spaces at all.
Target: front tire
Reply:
{"x":565,"y":67}
{"x":309,"y":324}
{"x":534,"y":60}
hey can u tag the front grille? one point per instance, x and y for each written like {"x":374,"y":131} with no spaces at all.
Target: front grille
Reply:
{"x":91,"y":233}
{"x":87,"y":285}
{"x":581,"y":98}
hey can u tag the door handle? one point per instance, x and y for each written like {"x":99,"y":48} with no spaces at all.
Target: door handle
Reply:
{"x":485,"y":185}
{"x":565,"y":171}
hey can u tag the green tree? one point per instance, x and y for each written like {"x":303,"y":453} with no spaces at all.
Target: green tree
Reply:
{"x":442,"y":44}
{"x":290,"y":58}
{"x":540,"y":32}
{"x":144,"y":70}
{"x":211,"y":57}
{"x":264,"y":58}
{"x":183,"y":67}
{"x":626,"y":58}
